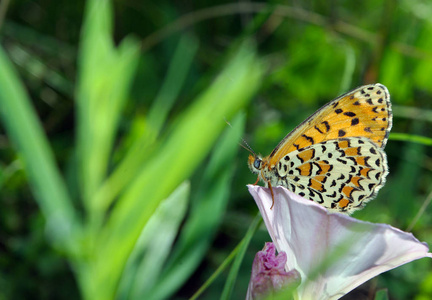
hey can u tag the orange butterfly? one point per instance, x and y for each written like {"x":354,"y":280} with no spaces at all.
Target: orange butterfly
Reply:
{"x":335,"y":157}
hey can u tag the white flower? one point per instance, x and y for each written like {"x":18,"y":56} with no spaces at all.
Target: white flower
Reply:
{"x":334,"y":253}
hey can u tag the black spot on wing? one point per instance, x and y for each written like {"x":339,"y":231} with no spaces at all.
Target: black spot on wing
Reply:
{"x":332,"y":195}
{"x":327,"y":126}
{"x":317,"y":129}
{"x":318,"y":166}
{"x":309,"y":138}
{"x":341,"y":161}
{"x":366,"y":161}
{"x":352,"y":159}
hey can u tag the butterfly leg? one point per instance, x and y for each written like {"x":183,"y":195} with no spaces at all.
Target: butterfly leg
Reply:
{"x":271,"y":191}
{"x":256,"y":182}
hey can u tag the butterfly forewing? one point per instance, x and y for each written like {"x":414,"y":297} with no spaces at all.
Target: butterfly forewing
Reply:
{"x":363,"y":112}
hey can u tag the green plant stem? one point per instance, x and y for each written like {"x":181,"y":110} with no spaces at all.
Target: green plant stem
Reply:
{"x":238,"y":251}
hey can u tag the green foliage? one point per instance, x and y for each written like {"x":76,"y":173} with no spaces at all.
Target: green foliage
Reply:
{"x":99,"y":245}
{"x":115,"y":145}
{"x":381,"y":295}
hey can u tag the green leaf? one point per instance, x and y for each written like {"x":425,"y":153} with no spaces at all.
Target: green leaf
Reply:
{"x":105,"y":77}
{"x":381,"y":294}
{"x":25,"y":131}
{"x":406,"y":137}
{"x":141,"y":141}
{"x":229,"y":284}
{"x":192,"y":136}
{"x":153,"y":247}
{"x":208,"y":209}
{"x":237,"y":253}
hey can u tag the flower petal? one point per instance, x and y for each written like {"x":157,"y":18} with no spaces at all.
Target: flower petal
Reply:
{"x":334,"y":253}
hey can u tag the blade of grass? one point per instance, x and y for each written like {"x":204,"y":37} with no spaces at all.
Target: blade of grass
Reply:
{"x":420,"y":212}
{"x":192,"y":136}
{"x":415,"y":113}
{"x":3,"y":9}
{"x":104,"y":79}
{"x":105,"y":76}
{"x":26,"y":132}
{"x":406,"y":137}
{"x":152,"y":249}
{"x":350,"y":62}
{"x":175,"y":78}
{"x":238,"y":251}
{"x":38,"y":69}
{"x":381,"y":294}
{"x":232,"y":277}
{"x":126,"y":171}
{"x":208,"y":207}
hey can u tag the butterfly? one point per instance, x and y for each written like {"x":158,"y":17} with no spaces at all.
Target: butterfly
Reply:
{"x":336,"y":156}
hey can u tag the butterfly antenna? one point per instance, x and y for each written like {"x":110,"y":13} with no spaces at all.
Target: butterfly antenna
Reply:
{"x":245,"y":145}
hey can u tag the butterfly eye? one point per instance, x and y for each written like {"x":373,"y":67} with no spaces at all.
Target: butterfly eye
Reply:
{"x":257,"y":163}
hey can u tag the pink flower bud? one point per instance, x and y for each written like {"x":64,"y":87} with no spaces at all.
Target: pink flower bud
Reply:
{"x":269,"y":275}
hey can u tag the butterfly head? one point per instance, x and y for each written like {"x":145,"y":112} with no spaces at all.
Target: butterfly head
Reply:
{"x":255,"y":163}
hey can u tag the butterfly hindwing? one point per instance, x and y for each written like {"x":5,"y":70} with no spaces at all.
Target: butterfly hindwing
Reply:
{"x":340,"y":174}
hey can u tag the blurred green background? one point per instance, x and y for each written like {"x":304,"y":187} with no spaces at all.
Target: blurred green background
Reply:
{"x":180,"y":68}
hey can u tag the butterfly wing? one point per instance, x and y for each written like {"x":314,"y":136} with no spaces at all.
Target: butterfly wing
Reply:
{"x":363,"y":112}
{"x":341,"y":174}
